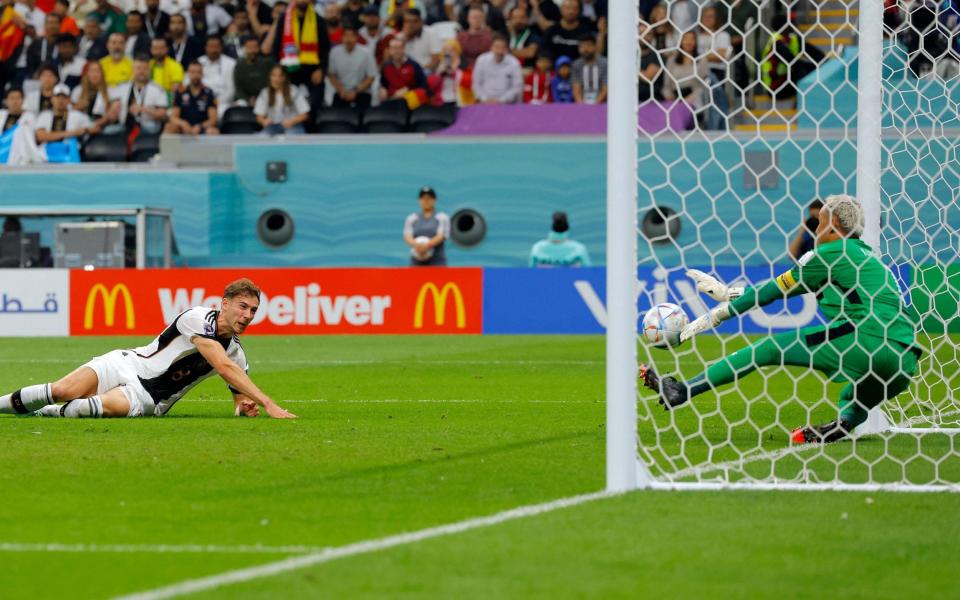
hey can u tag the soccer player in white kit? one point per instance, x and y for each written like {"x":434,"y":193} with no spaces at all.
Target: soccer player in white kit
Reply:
{"x":149,"y":380}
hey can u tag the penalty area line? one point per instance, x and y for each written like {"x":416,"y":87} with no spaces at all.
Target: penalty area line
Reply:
{"x":191,"y":586}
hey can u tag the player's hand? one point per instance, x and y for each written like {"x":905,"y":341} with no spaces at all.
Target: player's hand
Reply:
{"x":709,"y":285}
{"x":711,"y":319}
{"x":278,"y":413}
{"x":247,"y":408}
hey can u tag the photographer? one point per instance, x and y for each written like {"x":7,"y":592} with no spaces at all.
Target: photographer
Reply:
{"x":803,"y":242}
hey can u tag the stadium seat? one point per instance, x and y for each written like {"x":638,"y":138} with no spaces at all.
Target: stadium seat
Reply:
{"x":106,"y":148}
{"x":145,"y":147}
{"x":389,"y":117}
{"x":239,"y":119}
{"x":431,"y":118}
{"x":337,"y":119}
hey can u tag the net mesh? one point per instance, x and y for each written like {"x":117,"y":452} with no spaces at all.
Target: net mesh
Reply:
{"x":748,"y":113}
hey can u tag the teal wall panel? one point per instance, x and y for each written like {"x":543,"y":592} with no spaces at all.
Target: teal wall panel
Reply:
{"x":349,"y":200}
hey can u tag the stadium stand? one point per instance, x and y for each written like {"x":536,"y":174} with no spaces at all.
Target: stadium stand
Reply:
{"x":747,"y":60}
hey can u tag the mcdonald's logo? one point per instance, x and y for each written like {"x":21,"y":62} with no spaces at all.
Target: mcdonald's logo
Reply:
{"x":109,"y":298}
{"x":439,"y":304}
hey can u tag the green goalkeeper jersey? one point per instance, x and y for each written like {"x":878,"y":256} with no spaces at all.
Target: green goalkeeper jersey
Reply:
{"x":852,"y":285}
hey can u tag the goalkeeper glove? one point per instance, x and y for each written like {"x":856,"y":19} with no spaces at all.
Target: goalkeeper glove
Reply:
{"x":711,"y":319}
{"x":713,"y":287}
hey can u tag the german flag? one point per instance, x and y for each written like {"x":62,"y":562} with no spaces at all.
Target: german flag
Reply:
{"x":11,"y":35}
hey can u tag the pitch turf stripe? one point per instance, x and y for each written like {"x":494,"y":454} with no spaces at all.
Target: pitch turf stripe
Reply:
{"x":348,"y":362}
{"x":191,"y":586}
{"x":403,"y":401}
{"x":157,"y":548}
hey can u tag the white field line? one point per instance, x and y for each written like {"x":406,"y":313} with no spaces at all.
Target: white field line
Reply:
{"x":189,"y":400}
{"x":157,"y":548}
{"x":365,"y":547}
{"x":739,"y":463}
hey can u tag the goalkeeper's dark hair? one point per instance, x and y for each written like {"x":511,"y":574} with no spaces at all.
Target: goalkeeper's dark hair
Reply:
{"x":241,"y":287}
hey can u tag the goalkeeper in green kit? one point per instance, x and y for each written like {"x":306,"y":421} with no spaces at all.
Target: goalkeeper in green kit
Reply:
{"x":869,"y":339}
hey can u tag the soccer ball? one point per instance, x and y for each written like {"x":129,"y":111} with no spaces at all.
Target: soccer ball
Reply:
{"x":421,"y":239}
{"x":662,"y":325}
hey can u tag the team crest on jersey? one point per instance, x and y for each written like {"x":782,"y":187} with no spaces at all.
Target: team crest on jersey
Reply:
{"x":209,"y":329}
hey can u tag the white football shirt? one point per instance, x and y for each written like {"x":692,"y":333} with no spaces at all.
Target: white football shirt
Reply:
{"x":171,"y":365}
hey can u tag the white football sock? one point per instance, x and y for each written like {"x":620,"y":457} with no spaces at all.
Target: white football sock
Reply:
{"x":85,"y":408}
{"x":25,"y":401}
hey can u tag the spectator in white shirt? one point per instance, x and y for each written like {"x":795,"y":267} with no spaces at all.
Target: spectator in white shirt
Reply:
{"x":40,"y":100}
{"x":69,"y":65}
{"x":281,"y":107}
{"x":34,"y":16}
{"x":373,"y":30}
{"x":497,"y":76}
{"x":142,"y":102}
{"x":23,"y":146}
{"x":351,"y":71}
{"x":715,"y":46}
{"x":62,"y":123}
{"x":205,"y":19}
{"x":422,"y":45}
{"x":218,"y":72}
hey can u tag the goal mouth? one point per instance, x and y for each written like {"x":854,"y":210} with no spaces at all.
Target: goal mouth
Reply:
{"x":735,"y":141}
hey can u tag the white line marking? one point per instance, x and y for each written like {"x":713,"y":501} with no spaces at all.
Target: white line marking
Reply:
{"x":739,"y":463}
{"x":402,"y":401}
{"x":329,"y":554}
{"x":157,"y":548}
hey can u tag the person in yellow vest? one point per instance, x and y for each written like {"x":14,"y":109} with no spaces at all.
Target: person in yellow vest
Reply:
{"x":117,"y":66}
{"x":164,"y":70}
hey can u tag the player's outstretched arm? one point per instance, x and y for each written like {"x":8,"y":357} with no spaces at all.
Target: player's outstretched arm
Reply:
{"x":236,"y":378}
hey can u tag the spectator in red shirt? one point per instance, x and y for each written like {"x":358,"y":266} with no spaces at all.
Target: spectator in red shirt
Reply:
{"x":400,"y":77}
{"x":536,"y":85}
{"x":477,"y":39}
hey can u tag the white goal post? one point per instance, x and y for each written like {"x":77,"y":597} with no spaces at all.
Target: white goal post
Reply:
{"x":900,"y":135}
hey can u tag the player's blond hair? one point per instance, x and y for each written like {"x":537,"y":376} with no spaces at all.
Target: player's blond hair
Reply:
{"x":847,"y":210}
{"x":241,"y":287}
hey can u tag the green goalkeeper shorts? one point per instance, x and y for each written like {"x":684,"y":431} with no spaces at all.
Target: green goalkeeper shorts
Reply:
{"x":876,"y":369}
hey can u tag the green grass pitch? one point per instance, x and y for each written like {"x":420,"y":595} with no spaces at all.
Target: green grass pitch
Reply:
{"x":399,"y":434}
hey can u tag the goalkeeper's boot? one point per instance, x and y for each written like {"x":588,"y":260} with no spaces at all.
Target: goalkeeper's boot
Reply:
{"x":822,"y":434}
{"x":672,"y":393}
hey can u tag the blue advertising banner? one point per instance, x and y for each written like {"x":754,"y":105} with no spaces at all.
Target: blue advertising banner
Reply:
{"x":573,"y":300}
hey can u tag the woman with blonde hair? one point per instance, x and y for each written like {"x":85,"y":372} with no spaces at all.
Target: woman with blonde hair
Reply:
{"x":450,"y":84}
{"x":92,"y":97}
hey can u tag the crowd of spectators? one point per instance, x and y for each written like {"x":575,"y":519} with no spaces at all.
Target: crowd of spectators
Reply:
{"x":694,"y":52}
{"x":150,"y":66}
{"x":930,"y":31}
{"x":142,"y":67}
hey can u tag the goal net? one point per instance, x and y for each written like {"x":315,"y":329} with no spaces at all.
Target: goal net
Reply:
{"x":749,"y":113}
